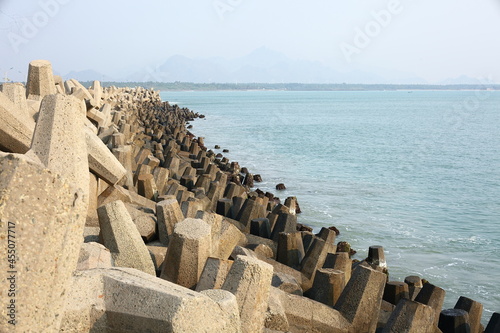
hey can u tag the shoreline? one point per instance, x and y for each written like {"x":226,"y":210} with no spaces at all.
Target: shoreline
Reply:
{"x":171,"y":222}
{"x":190,"y":86}
{"x":399,"y":268}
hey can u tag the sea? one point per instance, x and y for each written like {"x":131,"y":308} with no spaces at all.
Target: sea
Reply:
{"x":417,"y":172}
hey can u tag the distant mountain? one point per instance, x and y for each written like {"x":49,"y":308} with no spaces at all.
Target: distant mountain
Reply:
{"x":87,"y":75}
{"x":261,"y":65}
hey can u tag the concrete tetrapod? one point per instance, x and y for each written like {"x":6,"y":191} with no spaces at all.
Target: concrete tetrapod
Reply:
{"x":188,"y":251}
{"x":249,"y":279}
{"x":121,"y":237}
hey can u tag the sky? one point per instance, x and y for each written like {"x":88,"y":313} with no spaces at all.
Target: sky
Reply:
{"x":434,"y":40}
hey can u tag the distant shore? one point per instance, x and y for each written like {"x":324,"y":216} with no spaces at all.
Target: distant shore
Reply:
{"x":190,"y":86}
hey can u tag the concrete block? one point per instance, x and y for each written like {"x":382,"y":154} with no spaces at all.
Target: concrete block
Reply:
{"x":59,"y":141}
{"x":190,"y":207}
{"x":494,"y":324}
{"x":242,"y":251}
{"x":215,"y":193}
{"x":112,"y":300}
{"x":168,"y":214}
{"x":161,"y":178}
{"x":414,"y":285}
{"x":144,"y":220}
{"x":249,"y":279}
{"x":250,"y":210}
{"x":432,"y":296}
{"x":224,"y":206}
{"x":290,"y":249}
{"x":15,"y":131}
{"x":94,"y":255}
{"x":188,"y":251}
{"x":101,"y":160}
{"x":96,"y":116}
{"x":252,"y":239}
{"x":327,"y":286}
{"x":360,"y":301}
{"x":261,"y":250}
{"x":291,"y":203}
{"x":121,"y":237}
{"x":92,"y":219}
{"x":474,"y":310}
{"x":285,"y":223}
{"x":454,"y":321}
{"x":142,"y":169}
{"x":412,"y":317}
{"x":40,"y":81}
{"x":314,"y":258}
{"x":16,"y":92}
{"x":340,"y":261}
{"x":79,"y":91}
{"x":146,"y":186}
{"x":229,"y":306}
{"x":228,"y":238}
{"x":97,"y":94}
{"x":46,"y":215}
{"x":116,"y":192}
{"x":376,"y":256}
{"x":214,"y":274}
{"x":275,"y":314}
{"x":386,"y":310}
{"x":215,"y":223}
{"x":287,"y":283}
{"x":394,"y":291}
{"x":306,"y":315}
{"x":260,"y":227}
{"x":124,"y":155}
{"x":328,"y":236}
{"x":158,"y":254}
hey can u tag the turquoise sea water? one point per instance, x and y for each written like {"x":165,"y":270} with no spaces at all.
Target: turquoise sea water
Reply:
{"x":417,"y":172}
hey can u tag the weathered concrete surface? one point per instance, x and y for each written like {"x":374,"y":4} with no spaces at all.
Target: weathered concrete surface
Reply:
{"x":229,"y":306}
{"x":94,"y":255}
{"x":474,"y":310}
{"x":214,"y":274}
{"x":15,"y":131}
{"x":411,"y":317}
{"x":116,"y":192}
{"x":188,"y":251}
{"x":46,"y":215}
{"x":158,"y":254}
{"x":249,"y":279}
{"x":121,"y":237}
{"x":168,"y":214}
{"x":145,"y":221}
{"x":306,"y":315}
{"x":16,"y":92}
{"x":327,"y":286}
{"x":59,"y":141}
{"x":102,"y":161}
{"x":114,"y":300}
{"x":360,"y":301}
{"x":40,"y":80}
{"x":432,"y":296}
{"x":287,"y":283}
{"x":275,"y":315}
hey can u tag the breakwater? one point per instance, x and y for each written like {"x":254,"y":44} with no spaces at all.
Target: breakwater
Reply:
{"x":129,"y":223}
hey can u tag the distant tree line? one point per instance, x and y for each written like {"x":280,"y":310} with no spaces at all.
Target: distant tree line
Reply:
{"x":182,"y":86}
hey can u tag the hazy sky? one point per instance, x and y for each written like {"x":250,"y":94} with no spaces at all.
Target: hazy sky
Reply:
{"x":434,"y":40}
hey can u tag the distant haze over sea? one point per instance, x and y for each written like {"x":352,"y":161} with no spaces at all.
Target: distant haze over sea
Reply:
{"x":263,"y":65}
